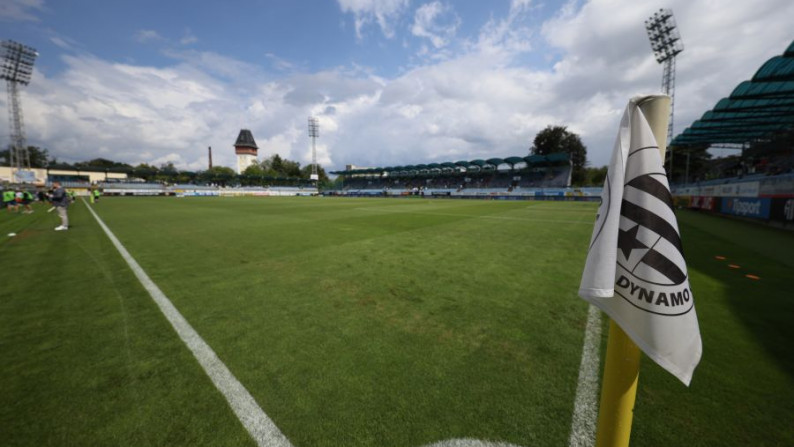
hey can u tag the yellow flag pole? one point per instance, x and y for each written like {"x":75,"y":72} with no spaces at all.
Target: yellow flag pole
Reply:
{"x":622,"y":366}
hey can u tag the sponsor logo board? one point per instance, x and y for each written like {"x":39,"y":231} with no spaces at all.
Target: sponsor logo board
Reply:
{"x":745,"y":207}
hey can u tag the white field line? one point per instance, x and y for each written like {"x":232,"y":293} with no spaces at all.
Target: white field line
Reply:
{"x":467,"y":442}
{"x":258,"y":424}
{"x":585,"y":409}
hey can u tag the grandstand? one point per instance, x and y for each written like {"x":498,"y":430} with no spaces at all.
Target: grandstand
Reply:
{"x":518,"y":177}
{"x":758,"y":119}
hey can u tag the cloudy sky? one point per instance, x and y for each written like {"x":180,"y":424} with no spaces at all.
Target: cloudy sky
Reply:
{"x":392,"y":81}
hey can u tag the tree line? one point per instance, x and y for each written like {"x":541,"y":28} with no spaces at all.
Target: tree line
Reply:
{"x":688,"y":163}
{"x":273,"y":171}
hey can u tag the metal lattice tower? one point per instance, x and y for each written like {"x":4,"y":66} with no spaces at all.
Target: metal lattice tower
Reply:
{"x":666,"y":44}
{"x":17,"y":68}
{"x":314,"y":133}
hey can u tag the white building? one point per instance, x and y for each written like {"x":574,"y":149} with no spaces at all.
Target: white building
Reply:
{"x":245,"y":148}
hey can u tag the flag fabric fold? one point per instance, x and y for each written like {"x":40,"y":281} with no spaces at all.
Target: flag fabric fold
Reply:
{"x":635,"y":270}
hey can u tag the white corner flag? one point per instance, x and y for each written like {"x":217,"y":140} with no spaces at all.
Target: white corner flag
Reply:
{"x":635,"y":270}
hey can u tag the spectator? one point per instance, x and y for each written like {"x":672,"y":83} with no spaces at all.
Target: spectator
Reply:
{"x":27,"y":199}
{"x":9,"y":199}
{"x":60,"y":200}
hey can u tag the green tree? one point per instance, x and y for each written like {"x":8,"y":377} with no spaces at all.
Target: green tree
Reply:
{"x":558,"y":139}
{"x":39,"y":158}
{"x":254,"y":170}
{"x":102,"y":163}
{"x":145,"y":171}
{"x":595,"y":176}
{"x":185,"y":177}
{"x":278,"y":167}
{"x":254,"y":175}
{"x":306,"y":173}
{"x":290,"y":168}
{"x":167,"y":172}
{"x":219,"y":175}
{"x":687,"y":160}
{"x":273,"y":164}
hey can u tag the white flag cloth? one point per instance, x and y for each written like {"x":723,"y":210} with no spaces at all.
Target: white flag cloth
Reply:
{"x":635,"y":270}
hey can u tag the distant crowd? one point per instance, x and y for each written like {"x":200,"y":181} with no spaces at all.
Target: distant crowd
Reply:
{"x":18,"y":199}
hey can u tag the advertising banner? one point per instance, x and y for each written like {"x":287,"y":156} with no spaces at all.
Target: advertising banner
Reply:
{"x":550,"y":193}
{"x":703,"y":203}
{"x":745,"y":207}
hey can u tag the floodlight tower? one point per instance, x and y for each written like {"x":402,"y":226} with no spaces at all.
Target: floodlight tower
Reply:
{"x":17,"y":69}
{"x":666,"y":44}
{"x":314,"y":133}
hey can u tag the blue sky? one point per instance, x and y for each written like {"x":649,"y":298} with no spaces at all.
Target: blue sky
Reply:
{"x":391,"y":81}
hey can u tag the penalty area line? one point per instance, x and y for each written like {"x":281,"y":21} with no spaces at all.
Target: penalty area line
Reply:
{"x":248,"y":412}
{"x":585,"y":409}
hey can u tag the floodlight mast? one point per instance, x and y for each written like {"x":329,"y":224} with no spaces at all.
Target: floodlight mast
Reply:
{"x":314,"y":133}
{"x":666,"y":44}
{"x":17,"y":69}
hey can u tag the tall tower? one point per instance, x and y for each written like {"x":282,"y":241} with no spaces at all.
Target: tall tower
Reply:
{"x":16,"y":69}
{"x":245,"y":148}
{"x":666,"y":44}
{"x":314,"y":133}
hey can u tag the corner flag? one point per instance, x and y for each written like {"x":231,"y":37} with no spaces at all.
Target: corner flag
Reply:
{"x":635,"y":269}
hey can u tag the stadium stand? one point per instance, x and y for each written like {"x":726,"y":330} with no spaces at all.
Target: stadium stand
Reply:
{"x":475,"y":178}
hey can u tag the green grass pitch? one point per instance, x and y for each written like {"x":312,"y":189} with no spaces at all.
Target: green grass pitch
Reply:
{"x":366,"y":322}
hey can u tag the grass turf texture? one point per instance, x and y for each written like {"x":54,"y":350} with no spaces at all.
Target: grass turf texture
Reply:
{"x":365,"y":322}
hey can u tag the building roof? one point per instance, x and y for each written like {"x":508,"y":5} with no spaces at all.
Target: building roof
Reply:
{"x":557,"y":158}
{"x":755,"y":110}
{"x":245,"y":139}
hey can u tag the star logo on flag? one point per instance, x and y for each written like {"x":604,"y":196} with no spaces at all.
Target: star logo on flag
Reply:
{"x":627,"y":241}
{"x":647,"y":203}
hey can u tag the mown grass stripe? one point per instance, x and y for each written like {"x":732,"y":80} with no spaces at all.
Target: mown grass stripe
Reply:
{"x":259,"y":425}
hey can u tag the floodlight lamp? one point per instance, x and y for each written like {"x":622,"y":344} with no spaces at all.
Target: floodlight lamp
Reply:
{"x":314,"y":127}
{"x":17,"y":62}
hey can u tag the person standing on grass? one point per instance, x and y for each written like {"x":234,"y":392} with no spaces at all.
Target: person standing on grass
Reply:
{"x":8,"y":199}
{"x":60,"y":200}
{"x":27,"y":199}
{"x":97,"y":193}
{"x":18,"y":199}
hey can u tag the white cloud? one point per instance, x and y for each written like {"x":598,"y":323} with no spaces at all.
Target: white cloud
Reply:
{"x":147,"y":35}
{"x":606,"y":56}
{"x":20,"y":10}
{"x":188,"y":38}
{"x":279,"y":63}
{"x":437,"y":22}
{"x":503,"y":39}
{"x":487,"y":101}
{"x":382,"y":12}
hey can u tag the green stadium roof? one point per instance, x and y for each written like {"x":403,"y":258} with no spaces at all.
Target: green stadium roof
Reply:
{"x":535,"y":159}
{"x":495,"y":161}
{"x":755,"y":109}
{"x":512,"y":161}
{"x":491,"y":163}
